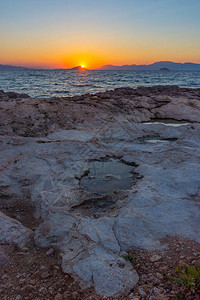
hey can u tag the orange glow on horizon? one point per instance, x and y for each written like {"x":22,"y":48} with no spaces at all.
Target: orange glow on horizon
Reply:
{"x":57,"y":59}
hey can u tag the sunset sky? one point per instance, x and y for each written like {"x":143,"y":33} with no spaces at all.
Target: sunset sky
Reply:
{"x":67,"y":33}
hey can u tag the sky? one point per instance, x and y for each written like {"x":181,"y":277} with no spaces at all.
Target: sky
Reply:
{"x":68,"y":33}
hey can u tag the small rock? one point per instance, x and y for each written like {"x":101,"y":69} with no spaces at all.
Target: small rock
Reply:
{"x":157,"y":264}
{"x":156,"y":291}
{"x":18,"y":297}
{"x":50,"y":252}
{"x":156,"y":281}
{"x":144,"y":278}
{"x":32,"y":281}
{"x":193,"y":262}
{"x":36,"y":274}
{"x":45,"y":275}
{"x":28,"y":288}
{"x":5,"y":276}
{"x":22,"y":281}
{"x":43,"y":268}
{"x":142,"y":292}
{"x":75,"y":295}
{"x":3,"y":259}
{"x":159,"y":276}
{"x":151,"y":278}
{"x":155,"y":258}
{"x":24,"y":249}
{"x":163,"y":269}
{"x":58,"y":297}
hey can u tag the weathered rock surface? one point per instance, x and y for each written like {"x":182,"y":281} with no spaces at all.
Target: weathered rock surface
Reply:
{"x":13,"y":232}
{"x":46,"y":146}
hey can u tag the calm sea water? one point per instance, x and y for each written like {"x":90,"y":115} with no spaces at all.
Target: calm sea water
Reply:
{"x":48,"y":83}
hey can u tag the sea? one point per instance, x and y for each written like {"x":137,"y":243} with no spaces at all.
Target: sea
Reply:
{"x":64,"y":83}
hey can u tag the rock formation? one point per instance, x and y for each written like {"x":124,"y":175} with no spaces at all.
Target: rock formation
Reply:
{"x":46,"y":149}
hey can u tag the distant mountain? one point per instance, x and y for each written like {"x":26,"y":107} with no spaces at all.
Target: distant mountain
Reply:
{"x":155,"y":66}
{"x":12,"y":68}
{"x":79,"y":68}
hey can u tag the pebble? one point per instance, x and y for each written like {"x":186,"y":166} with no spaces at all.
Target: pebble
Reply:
{"x":3,"y":259}
{"x":50,"y":252}
{"x":5,"y":276}
{"x":151,"y":278}
{"x":24,"y":249}
{"x":45,"y":275}
{"x":144,"y":278}
{"x":156,"y":291}
{"x":75,"y":295}
{"x":32,"y":281}
{"x":155,"y":258}
{"x":22,"y":281}
{"x":159,"y":276}
{"x":18,"y":297}
{"x":163,"y":269}
{"x":43,"y":268}
{"x":157,"y":264}
{"x":28,"y":288}
{"x":142,"y":292}
{"x":36,"y":274}
{"x":58,"y":297}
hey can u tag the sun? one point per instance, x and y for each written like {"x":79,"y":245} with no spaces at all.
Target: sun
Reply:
{"x":82,"y":66}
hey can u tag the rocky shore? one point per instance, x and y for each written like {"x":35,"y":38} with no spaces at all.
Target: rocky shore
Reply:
{"x":55,"y":219}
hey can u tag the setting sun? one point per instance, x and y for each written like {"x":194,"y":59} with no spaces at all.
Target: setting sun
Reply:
{"x":82,"y":66}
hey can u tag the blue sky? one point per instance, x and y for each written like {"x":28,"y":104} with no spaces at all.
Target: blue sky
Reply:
{"x":128,"y":31}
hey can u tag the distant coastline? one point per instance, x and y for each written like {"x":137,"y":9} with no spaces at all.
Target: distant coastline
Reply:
{"x":157,"y":66}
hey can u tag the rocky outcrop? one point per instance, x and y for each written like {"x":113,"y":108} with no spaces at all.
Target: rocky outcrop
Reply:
{"x":46,"y":149}
{"x":13,"y":232}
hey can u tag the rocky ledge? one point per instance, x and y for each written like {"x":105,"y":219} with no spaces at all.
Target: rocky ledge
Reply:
{"x":47,"y":148}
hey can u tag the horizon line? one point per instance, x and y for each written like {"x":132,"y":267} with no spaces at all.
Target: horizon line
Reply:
{"x":48,"y":67}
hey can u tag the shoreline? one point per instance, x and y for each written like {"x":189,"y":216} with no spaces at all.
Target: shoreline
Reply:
{"x":46,"y":146}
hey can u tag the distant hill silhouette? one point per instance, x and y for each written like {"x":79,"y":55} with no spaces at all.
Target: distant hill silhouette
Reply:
{"x":161,"y":65}
{"x":12,"y":68}
{"x":79,"y":68}
{"x":155,"y":66}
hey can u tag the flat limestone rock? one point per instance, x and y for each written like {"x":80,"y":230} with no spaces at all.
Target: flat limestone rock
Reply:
{"x":47,"y":147}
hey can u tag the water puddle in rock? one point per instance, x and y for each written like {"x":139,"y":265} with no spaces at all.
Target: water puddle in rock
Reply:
{"x":108,"y":176}
{"x":167,"y":122}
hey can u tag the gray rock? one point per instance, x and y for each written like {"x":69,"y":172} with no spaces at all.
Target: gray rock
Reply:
{"x":50,"y":252}
{"x":13,"y":232}
{"x":155,"y":258}
{"x":45,"y":153}
{"x":3,"y":259}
